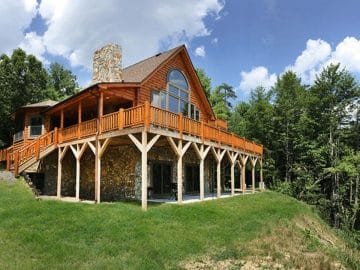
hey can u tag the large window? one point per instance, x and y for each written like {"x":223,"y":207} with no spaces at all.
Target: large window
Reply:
{"x":177,"y":97}
{"x":36,"y":124}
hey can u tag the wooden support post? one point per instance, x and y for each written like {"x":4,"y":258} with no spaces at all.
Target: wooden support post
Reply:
{"x":144,"y":171}
{"x":121,"y":118}
{"x":180,"y":152}
{"x":243,"y":159}
{"x":220,"y":155}
{"x":58,"y":193}
{"x":201,"y":153}
{"x":202,"y":159}
{"x":100,"y":110}
{"x":98,"y":150}
{"x":218,"y":178}
{"x":232,"y":175}
{"x":179,"y":173}
{"x":233,"y":157}
{"x":262,"y":185}
{"x":144,"y":147}
{"x":253,"y":164}
{"x":77,"y":187}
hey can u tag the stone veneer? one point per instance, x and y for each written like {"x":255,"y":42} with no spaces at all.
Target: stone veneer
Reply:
{"x":120,"y":172}
{"x":107,"y":64}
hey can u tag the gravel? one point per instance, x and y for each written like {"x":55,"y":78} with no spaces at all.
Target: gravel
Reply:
{"x":7,"y":177}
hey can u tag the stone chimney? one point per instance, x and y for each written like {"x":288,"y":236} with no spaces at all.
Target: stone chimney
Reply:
{"x":107,"y":64}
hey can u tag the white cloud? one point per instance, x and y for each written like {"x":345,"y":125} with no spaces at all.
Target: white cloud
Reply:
{"x":311,"y":59}
{"x":15,"y":17}
{"x":258,"y":76}
{"x":215,"y":41}
{"x":317,"y":55}
{"x":347,"y":53}
{"x":77,"y":28}
{"x":33,"y":44}
{"x":200,"y":51}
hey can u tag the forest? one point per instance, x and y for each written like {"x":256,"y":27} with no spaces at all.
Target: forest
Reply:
{"x":310,"y":133}
{"x":311,"y":138}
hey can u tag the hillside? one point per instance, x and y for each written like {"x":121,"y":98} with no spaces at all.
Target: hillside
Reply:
{"x":261,"y":231}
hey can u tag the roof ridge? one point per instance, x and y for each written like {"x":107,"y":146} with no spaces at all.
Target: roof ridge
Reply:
{"x":155,"y":55}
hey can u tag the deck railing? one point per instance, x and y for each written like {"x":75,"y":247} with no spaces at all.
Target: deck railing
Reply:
{"x":88,"y":128}
{"x":143,"y":115}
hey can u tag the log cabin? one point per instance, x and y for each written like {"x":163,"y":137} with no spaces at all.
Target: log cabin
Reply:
{"x":146,"y":131}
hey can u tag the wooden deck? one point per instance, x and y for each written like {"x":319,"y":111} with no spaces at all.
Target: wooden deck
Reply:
{"x":144,"y":116}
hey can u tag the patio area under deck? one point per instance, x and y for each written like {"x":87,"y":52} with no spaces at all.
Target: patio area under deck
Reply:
{"x":189,"y":198}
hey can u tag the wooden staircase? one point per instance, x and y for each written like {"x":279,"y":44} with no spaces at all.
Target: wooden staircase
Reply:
{"x":19,"y":160}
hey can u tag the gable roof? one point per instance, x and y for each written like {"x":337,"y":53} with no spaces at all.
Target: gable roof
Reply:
{"x":139,"y":71}
{"x":45,"y":103}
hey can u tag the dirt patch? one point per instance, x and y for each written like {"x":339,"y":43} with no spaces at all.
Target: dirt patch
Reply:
{"x":292,"y":245}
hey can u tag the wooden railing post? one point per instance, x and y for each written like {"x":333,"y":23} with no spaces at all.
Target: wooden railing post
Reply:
{"x":37,"y":149}
{"x":181,"y":124}
{"x":7,"y":161}
{"x":121,"y":118}
{"x":202,"y":131}
{"x":55,"y":138}
{"x":16,"y":163}
{"x":147,"y":115}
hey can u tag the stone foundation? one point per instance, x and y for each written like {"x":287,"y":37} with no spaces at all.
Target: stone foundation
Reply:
{"x":120,"y":172}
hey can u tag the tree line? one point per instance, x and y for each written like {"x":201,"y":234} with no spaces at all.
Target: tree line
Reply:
{"x":311,"y":137}
{"x":24,"y":80}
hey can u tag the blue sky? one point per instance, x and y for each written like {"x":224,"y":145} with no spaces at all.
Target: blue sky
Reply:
{"x":244,"y":43}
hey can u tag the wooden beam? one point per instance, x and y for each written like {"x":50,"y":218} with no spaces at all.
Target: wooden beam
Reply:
{"x":82,"y":150}
{"x":185,"y":148}
{"x":104,"y":146}
{"x":197,"y":150}
{"x":173,"y":146}
{"x":152,"y":142}
{"x":138,"y":144}
{"x":92,"y":147}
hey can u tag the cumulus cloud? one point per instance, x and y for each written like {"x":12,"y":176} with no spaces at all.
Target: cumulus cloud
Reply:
{"x":317,"y":55}
{"x":347,"y":53}
{"x":77,"y":28}
{"x":15,"y":16}
{"x":200,"y":51}
{"x":258,"y":76}
{"x":33,"y":44}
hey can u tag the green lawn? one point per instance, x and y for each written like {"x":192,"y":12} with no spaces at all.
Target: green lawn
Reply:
{"x":37,"y":234}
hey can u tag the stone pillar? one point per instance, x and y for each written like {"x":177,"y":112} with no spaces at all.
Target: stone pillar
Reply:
{"x":107,"y":64}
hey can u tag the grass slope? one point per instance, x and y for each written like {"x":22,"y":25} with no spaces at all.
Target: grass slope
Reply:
{"x":265,"y":229}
